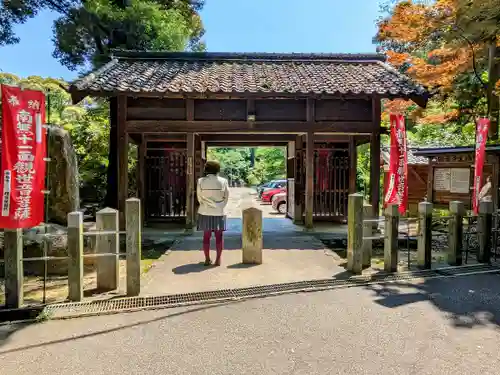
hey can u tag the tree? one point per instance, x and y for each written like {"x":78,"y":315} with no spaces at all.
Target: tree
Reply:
{"x":87,"y":30}
{"x":445,"y":45}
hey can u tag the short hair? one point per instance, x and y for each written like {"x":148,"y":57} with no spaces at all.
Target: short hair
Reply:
{"x":212,"y":167}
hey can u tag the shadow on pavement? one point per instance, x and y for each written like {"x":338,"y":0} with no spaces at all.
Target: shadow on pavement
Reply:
{"x":190,"y":268}
{"x":241,"y":266}
{"x":98,"y":333}
{"x":469,"y":301}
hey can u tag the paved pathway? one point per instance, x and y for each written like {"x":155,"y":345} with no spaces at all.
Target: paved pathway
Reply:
{"x":437,"y":327}
{"x":290,"y":255}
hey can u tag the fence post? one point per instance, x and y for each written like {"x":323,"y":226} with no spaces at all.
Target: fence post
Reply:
{"x":455,"y":233}
{"x":391,"y":245}
{"x":107,"y":266}
{"x":424,"y":246}
{"x":133,"y":225}
{"x":75,"y":253}
{"x":13,"y":255}
{"x":367,"y":232}
{"x":355,"y":233}
{"x":484,"y":231}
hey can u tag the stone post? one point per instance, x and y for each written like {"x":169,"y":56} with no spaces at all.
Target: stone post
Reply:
{"x":355,"y":233}
{"x":133,"y":225}
{"x":455,"y":233}
{"x":484,"y":231}
{"x":252,"y":236}
{"x":424,"y":248}
{"x":13,"y":255}
{"x":75,"y":253}
{"x":367,"y":232}
{"x":107,"y":266}
{"x":391,"y":245}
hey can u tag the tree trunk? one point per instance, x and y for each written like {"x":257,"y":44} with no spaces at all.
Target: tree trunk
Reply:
{"x":112,"y":173}
{"x":493,"y":100}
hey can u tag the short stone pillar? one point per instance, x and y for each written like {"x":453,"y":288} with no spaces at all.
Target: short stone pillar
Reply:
{"x":108,"y":266}
{"x":252,"y":243}
{"x":424,"y":242}
{"x":485,"y":230}
{"x":367,"y":233}
{"x":75,"y":254}
{"x":391,"y":245}
{"x":133,"y":226}
{"x":13,"y":256}
{"x":355,"y":233}
{"x":455,"y":233}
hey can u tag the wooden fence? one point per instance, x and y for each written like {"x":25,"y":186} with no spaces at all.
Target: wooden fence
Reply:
{"x":107,"y":252}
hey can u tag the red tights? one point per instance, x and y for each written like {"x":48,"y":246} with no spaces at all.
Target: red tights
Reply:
{"x":218,"y":243}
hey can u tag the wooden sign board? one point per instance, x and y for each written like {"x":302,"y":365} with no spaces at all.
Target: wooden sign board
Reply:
{"x":442,"y":178}
{"x":460,"y":180}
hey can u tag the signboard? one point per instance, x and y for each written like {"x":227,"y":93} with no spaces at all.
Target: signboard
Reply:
{"x":442,"y":178}
{"x":460,"y":180}
{"x":22,"y":178}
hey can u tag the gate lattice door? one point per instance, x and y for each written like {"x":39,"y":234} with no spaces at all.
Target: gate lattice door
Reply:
{"x":331,"y":182}
{"x":165,"y":183}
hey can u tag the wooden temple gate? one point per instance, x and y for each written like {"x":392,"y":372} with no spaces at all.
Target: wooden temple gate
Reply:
{"x":173,"y":104}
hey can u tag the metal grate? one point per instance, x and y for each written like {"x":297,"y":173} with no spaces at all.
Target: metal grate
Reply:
{"x":78,"y":309}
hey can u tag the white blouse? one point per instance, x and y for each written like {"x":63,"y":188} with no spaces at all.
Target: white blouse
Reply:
{"x":213,"y":193}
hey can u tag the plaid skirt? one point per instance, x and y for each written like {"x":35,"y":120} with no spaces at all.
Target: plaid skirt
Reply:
{"x":206,"y":222}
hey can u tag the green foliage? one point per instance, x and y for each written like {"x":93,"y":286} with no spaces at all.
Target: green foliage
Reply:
{"x":236,"y":163}
{"x":269,"y":165}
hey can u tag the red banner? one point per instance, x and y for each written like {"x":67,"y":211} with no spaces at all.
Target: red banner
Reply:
{"x":22,"y":177}
{"x":396,"y":189}
{"x":482,"y":127}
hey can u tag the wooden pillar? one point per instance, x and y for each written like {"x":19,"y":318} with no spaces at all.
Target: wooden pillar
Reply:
{"x":298,"y":181}
{"x":375,"y":157}
{"x":122,"y":151}
{"x":190,"y":187}
{"x":141,"y":177}
{"x":309,"y":206}
{"x":430,"y":181}
{"x":353,"y":164}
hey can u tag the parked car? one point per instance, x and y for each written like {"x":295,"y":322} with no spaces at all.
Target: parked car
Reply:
{"x":279,"y":202}
{"x":274,"y":184}
{"x":261,"y":187}
{"x":268,"y":194}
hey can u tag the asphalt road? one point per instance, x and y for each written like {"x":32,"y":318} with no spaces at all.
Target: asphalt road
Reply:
{"x":437,"y":327}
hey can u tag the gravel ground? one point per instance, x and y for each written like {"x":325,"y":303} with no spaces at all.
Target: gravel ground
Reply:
{"x":440,"y":326}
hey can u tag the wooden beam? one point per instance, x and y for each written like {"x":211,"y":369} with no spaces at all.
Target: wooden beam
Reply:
{"x":353,"y":165}
{"x":79,"y":95}
{"x":375,"y":159}
{"x":298,"y":191}
{"x":309,"y":206}
{"x":190,"y":186}
{"x":243,"y":138}
{"x":245,"y":144}
{"x":122,"y":151}
{"x":163,"y":126}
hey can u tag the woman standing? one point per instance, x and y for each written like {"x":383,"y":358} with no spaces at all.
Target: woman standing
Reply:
{"x":213,"y":193}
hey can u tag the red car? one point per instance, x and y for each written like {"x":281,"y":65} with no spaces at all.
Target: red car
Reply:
{"x":267,"y":196}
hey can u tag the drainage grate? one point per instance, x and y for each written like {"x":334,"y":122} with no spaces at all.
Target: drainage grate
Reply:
{"x":74,"y":309}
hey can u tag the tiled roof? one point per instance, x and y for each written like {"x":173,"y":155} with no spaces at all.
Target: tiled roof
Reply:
{"x":412,"y":158}
{"x":190,"y":72}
